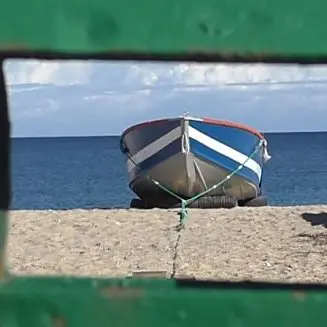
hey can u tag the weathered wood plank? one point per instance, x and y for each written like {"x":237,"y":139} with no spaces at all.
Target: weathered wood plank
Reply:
{"x":216,"y":29}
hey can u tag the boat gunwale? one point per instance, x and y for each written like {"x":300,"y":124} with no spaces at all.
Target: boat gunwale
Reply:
{"x":146,"y":123}
{"x":212,"y":121}
{"x":228,"y":123}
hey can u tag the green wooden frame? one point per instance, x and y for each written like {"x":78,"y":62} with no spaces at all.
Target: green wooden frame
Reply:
{"x":225,"y":30}
{"x":190,"y":30}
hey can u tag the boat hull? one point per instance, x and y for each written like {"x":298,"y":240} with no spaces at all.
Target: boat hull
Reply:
{"x":188,"y":156}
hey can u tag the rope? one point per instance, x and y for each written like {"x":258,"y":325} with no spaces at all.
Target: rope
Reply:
{"x":187,"y":202}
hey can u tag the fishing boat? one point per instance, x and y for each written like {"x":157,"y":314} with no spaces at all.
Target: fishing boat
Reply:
{"x":186,"y":156}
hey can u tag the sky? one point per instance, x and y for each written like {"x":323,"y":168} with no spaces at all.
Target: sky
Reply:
{"x":75,"y":98}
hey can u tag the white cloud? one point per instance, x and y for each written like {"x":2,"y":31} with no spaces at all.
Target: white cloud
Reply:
{"x":92,"y":98}
{"x":147,"y":75}
{"x":45,"y":72}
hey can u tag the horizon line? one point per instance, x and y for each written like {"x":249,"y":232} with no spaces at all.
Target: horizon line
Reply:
{"x":118,"y":135}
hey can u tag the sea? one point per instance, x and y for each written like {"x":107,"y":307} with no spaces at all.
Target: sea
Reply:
{"x":90,"y":172}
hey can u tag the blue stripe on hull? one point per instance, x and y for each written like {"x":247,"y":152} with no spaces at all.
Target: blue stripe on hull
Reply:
{"x":139,"y":138}
{"x":203,"y":152}
{"x":167,"y":152}
{"x":238,"y":139}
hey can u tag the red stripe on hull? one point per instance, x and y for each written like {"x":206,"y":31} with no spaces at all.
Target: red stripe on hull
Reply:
{"x":232,"y":124}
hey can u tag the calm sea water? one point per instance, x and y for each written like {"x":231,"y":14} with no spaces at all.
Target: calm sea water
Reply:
{"x":90,"y":172}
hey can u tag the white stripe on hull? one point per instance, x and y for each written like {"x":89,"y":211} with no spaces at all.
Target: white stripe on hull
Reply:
{"x":225,"y":150}
{"x":154,"y":147}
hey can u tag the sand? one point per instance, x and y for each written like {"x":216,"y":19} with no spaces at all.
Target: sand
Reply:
{"x":284,"y":244}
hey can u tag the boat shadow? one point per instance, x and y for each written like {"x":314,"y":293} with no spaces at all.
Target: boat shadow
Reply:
{"x":316,"y":219}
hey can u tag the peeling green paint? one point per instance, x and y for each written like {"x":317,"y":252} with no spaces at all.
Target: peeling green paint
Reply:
{"x":279,"y":27}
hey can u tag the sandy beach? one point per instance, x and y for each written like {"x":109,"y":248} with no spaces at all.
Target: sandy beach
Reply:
{"x":272,"y":243}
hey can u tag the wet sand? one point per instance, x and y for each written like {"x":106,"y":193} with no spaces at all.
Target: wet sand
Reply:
{"x":272,"y":243}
